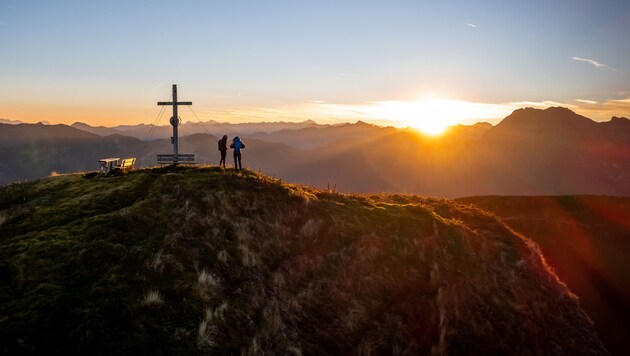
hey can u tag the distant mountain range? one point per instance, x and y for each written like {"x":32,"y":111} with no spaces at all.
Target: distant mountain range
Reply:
{"x":530,"y":152}
{"x":148,"y":132}
{"x":16,"y":122}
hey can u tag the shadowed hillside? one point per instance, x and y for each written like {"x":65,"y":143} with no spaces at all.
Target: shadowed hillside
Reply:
{"x":192,"y":261}
{"x":35,"y":151}
{"x":557,"y":152}
{"x":585,"y":239}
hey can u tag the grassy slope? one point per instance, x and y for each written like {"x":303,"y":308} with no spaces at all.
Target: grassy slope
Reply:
{"x":586,"y":240}
{"x":195,"y":260}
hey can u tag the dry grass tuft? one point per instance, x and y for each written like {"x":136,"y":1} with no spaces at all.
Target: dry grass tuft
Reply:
{"x":223,"y":256}
{"x":248,"y":257}
{"x":156,"y":264}
{"x":219,"y":312}
{"x":206,"y":331}
{"x":310,"y":228}
{"x":208,"y":279}
{"x":254,"y":348}
{"x":295,"y":350}
{"x":152,"y":297}
{"x":209,"y":284}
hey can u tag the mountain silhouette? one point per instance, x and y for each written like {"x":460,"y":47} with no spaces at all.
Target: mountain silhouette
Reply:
{"x":143,"y":131}
{"x":530,"y":152}
{"x":553,"y":123}
{"x":205,"y":260}
{"x":321,"y":136}
{"x":34,"y":133}
{"x":556,"y":151}
{"x":98,"y":130}
{"x":467,"y":132}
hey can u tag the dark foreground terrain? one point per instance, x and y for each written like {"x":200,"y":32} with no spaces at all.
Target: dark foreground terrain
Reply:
{"x":586,"y":239}
{"x":195,"y":261}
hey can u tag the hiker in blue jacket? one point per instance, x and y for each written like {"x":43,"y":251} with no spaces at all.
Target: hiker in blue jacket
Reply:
{"x":237,"y":145}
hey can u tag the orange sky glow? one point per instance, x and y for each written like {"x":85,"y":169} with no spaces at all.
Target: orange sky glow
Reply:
{"x":431,"y":114}
{"x":421,"y":64}
{"x":426,"y":65}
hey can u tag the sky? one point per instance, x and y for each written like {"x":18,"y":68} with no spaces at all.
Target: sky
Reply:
{"x":401,"y":62}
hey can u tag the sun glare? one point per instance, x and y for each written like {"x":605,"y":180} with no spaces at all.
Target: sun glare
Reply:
{"x":432,"y":115}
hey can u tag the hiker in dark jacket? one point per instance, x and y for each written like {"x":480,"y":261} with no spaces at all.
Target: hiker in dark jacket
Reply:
{"x":223,"y":149}
{"x":237,"y":145}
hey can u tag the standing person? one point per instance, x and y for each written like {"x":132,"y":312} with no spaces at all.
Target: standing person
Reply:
{"x":237,"y":145}
{"x":223,"y":149}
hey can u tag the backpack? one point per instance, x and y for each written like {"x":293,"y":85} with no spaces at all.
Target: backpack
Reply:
{"x":220,"y":145}
{"x":237,"y":145}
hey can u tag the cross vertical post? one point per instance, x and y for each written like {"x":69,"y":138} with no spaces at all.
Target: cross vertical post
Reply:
{"x":175,"y":120}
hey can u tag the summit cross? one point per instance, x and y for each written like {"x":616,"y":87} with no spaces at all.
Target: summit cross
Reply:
{"x":175,"y":119}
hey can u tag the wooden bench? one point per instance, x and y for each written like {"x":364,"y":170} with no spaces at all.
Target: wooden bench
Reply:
{"x":126,"y":164}
{"x":182,"y":158}
{"x":106,"y":165}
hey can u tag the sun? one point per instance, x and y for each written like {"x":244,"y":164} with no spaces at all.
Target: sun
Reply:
{"x":431,"y":116}
{"x":430,"y":124}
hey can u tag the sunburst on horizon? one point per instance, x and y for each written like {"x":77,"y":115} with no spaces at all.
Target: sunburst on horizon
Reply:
{"x":433,"y":115}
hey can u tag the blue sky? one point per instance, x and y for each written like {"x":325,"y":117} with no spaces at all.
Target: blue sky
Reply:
{"x":110,"y":61}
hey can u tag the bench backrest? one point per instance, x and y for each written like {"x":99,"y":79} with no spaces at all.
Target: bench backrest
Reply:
{"x":127,"y":163}
{"x":182,"y":157}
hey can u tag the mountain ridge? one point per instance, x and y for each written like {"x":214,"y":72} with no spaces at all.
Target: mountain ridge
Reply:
{"x":585,"y":158}
{"x":142,"y":131}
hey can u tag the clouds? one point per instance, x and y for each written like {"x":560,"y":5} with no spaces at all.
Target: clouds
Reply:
{"x":539,"y":104}
{"x":592,"y":102}
{"x":606,"y":109}
{"x":594,"y":62}
{"x":403,"y":113}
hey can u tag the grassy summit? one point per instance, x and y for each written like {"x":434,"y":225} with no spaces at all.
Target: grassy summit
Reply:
{"x":201,"y":260}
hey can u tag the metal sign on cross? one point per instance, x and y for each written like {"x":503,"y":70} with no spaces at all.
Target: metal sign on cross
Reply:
{"x":175,"y":119}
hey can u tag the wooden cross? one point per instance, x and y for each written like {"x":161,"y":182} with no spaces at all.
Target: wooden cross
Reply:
{"x":175,"y":119}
